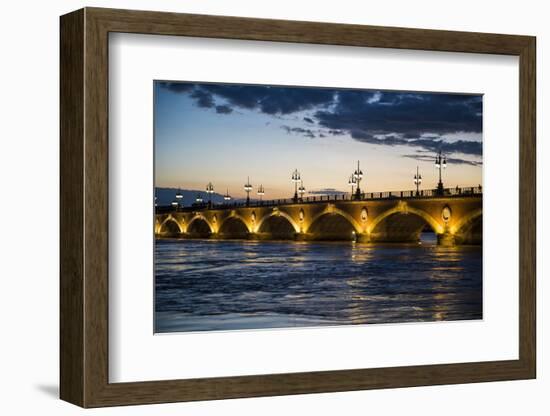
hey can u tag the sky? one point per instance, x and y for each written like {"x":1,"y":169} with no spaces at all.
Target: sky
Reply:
{"x":224,"y":133}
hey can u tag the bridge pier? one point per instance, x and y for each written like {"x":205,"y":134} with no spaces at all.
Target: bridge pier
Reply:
{"x":362,"y":238}
{"x":270,"y":236}
{"x":169,"y":235}
{"x":446,"y":239}
{"x":194,"y":236}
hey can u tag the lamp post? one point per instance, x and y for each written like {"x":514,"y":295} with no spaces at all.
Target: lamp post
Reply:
{"x":440,"y":163}
{"x":178,"y":201}
{"x":358,"y":175}
{"x":247,"y":189}
{"x":352,"y":182}
{"x":209,"y":191}
{"x":301,"y":190}
{"x":198,"y":199}
{"x":227,"y":197}
{"x":296,"y":178}
{"x":417,"y":181}
{"x":261,"y":191}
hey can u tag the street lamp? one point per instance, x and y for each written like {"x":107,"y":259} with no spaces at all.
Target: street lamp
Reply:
{"x":352,"y":182}
{"x":261,"y":191}
{"x":358,"y":175}
{"x":301,"y":190}
{"x":440,"y":163}
{"x":227,"y":197}
{"x":209,"y":191}
{"x":198,"y":199}
{"x":179,"y":194}
{"x":296,"y":178}
{"x":175,"y":204}
{"x":247,"y":189}
{"x":417,"y":181}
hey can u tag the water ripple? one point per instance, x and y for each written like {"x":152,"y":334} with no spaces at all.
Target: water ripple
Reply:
{"x":221,"y":285}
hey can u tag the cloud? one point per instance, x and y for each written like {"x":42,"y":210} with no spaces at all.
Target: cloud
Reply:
{"x":327,"y":191}
{"x":466,"y":147}
{"x":410,"y":115}
{"x":177,"y":87}
{"x":450,"y":160}
{"x":385,"y":118}
{"x":223,"y":109}
{"x":298,"y":130}
{"x":271,"y":100}
{"x":203,"y":98}
{"x":266,"y":99}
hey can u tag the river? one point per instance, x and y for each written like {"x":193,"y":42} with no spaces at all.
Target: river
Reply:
{"x":206,"y":285}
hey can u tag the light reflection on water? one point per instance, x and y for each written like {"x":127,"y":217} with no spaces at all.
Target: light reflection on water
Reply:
{"x":223,"y":284}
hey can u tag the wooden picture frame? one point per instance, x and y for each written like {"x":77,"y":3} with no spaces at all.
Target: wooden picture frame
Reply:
{"x":84,"y":207}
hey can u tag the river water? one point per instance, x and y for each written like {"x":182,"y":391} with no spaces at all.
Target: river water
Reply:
{"x":205,"y":285}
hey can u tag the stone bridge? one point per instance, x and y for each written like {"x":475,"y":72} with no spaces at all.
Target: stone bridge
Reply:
{"x":456,"y":218}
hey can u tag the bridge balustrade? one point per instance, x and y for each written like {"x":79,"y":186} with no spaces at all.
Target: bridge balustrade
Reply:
{"x":424,"y":193}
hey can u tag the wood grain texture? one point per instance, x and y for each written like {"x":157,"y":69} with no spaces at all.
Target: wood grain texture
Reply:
{"x":71,"y":216}
{"x":84,"y":194}
{"x":527,"y":208}
{"x":96,"y":218}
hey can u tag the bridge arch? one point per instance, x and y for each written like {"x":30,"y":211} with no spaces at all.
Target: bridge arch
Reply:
{"x":272,"y":215}
{"x":336,"y":211}
{"x":467,"y":221}
{"x":399,"y":209}
{"x":469,"y":230}
{"x":170,"y":226}
{"x":278,"y":225}
{"x":333,"y":224}
{"x":234,"y":226}
{"x":200,"y":226}
{"x":402,"y":223}
{"x":157,"y":224}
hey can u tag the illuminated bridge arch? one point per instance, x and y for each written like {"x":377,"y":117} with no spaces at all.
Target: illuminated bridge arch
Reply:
{"x":467,"y":221}
{"x":333,"y":224}
{"x":273,"y":215}
{"x":199,"y":226}
{"x":157,"y":225}
{"x":469,"y":230}
{"x":402,"y":223}
{"x":278,"y":225}
{"x":234,"y":226}
{"x":170,"y":226}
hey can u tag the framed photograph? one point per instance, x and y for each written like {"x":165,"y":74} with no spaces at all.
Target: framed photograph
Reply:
{"x":257,"y":207}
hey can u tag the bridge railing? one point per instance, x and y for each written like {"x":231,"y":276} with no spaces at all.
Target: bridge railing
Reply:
{"x":366,"y":196}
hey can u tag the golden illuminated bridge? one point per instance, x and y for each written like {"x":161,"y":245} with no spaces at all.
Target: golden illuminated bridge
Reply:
{"x":454,"y":215}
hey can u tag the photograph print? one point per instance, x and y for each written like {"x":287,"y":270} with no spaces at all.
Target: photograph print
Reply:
{"x":292,"y":206}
